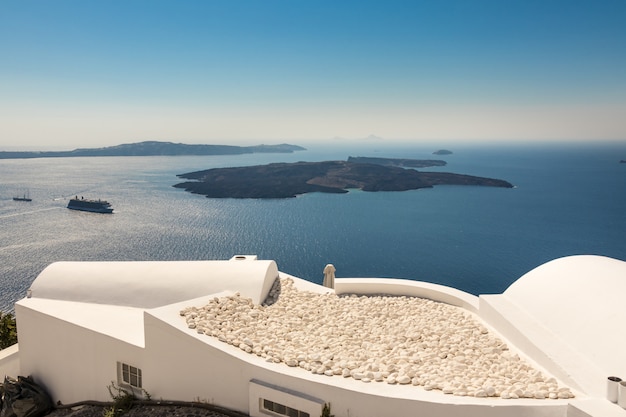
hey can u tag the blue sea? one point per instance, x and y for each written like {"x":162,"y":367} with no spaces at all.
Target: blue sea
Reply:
{"x":568,"y":199}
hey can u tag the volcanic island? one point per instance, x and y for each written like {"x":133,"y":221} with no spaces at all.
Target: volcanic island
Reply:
{"x":286,"y":180}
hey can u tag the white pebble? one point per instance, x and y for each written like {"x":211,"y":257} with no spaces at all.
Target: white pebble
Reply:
{"x":431,"y":344}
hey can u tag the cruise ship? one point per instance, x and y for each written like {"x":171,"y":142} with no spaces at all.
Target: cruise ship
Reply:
{"x":95,"y":206}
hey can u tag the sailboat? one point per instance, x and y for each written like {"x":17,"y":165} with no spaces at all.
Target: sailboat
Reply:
{"x":24,"y":197}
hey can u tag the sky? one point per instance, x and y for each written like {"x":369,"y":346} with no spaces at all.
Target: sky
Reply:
{"x":80,"y":73}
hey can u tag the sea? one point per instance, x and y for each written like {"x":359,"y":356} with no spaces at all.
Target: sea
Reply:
{"x":568,"y":199}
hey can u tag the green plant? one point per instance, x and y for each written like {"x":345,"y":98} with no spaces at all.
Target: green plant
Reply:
{"x":326,"y":411}
{"x":109,"y":412}
{"x":122,"y":400}
{"x":8,"y":330}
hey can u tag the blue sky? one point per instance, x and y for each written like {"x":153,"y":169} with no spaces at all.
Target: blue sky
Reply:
{"x":99,"y":73}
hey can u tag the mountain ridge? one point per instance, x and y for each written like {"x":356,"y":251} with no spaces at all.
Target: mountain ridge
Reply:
{"x":154,"y":148}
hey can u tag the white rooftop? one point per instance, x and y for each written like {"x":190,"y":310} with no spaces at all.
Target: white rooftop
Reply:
{"x":565,"y":316}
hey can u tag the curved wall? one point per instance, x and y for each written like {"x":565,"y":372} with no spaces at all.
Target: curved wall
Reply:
{"x":152,"y":284}
{"x":389,"y":286}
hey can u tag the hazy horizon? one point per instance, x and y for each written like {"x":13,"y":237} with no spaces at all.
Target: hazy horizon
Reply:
{"x":96,"y":74}
{"x":368,"y":147}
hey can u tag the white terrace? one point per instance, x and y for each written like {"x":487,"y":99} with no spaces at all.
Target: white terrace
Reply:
{"x":85,"y":324}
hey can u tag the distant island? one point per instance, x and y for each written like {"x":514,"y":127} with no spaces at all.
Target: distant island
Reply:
{"x":154,"y":148}
{"x":398,"y":162}
{"x":285,"y":180}
{"x":442,"y":152}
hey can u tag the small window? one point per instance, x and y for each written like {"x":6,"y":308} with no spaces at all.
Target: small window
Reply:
{"x":130,"y":375}
{"x":277,"y":409}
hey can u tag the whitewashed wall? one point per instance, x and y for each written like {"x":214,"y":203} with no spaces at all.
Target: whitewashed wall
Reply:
{"x":10,"y":361}
{"x":435,"y":292}
{"x":73,"y":363}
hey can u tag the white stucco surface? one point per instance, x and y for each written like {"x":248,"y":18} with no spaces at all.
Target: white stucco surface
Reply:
{"x":152,"y":284}
{"x":582,"y":300}
{"x":566,"y":315}
{"x":389,"y":286}
{"x":119,"y":322}
{"x":82,"y":318}
{"x":344,"y":393}
{"x":10,"y":361}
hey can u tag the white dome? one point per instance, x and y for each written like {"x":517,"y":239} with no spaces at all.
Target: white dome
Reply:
{"x":582,"y":301}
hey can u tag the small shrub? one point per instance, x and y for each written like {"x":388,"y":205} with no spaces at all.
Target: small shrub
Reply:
{"x":122,"y":401}
{"x":8,"y":330}
{"x":326,"y":411}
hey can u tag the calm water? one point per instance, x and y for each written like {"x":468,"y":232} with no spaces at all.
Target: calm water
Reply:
{"x":568,"y":200}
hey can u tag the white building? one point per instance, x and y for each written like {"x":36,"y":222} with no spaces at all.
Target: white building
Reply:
{"x":84,"y":325}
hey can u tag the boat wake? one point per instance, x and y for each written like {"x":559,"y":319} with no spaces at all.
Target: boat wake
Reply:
{"x":22,"y":213}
